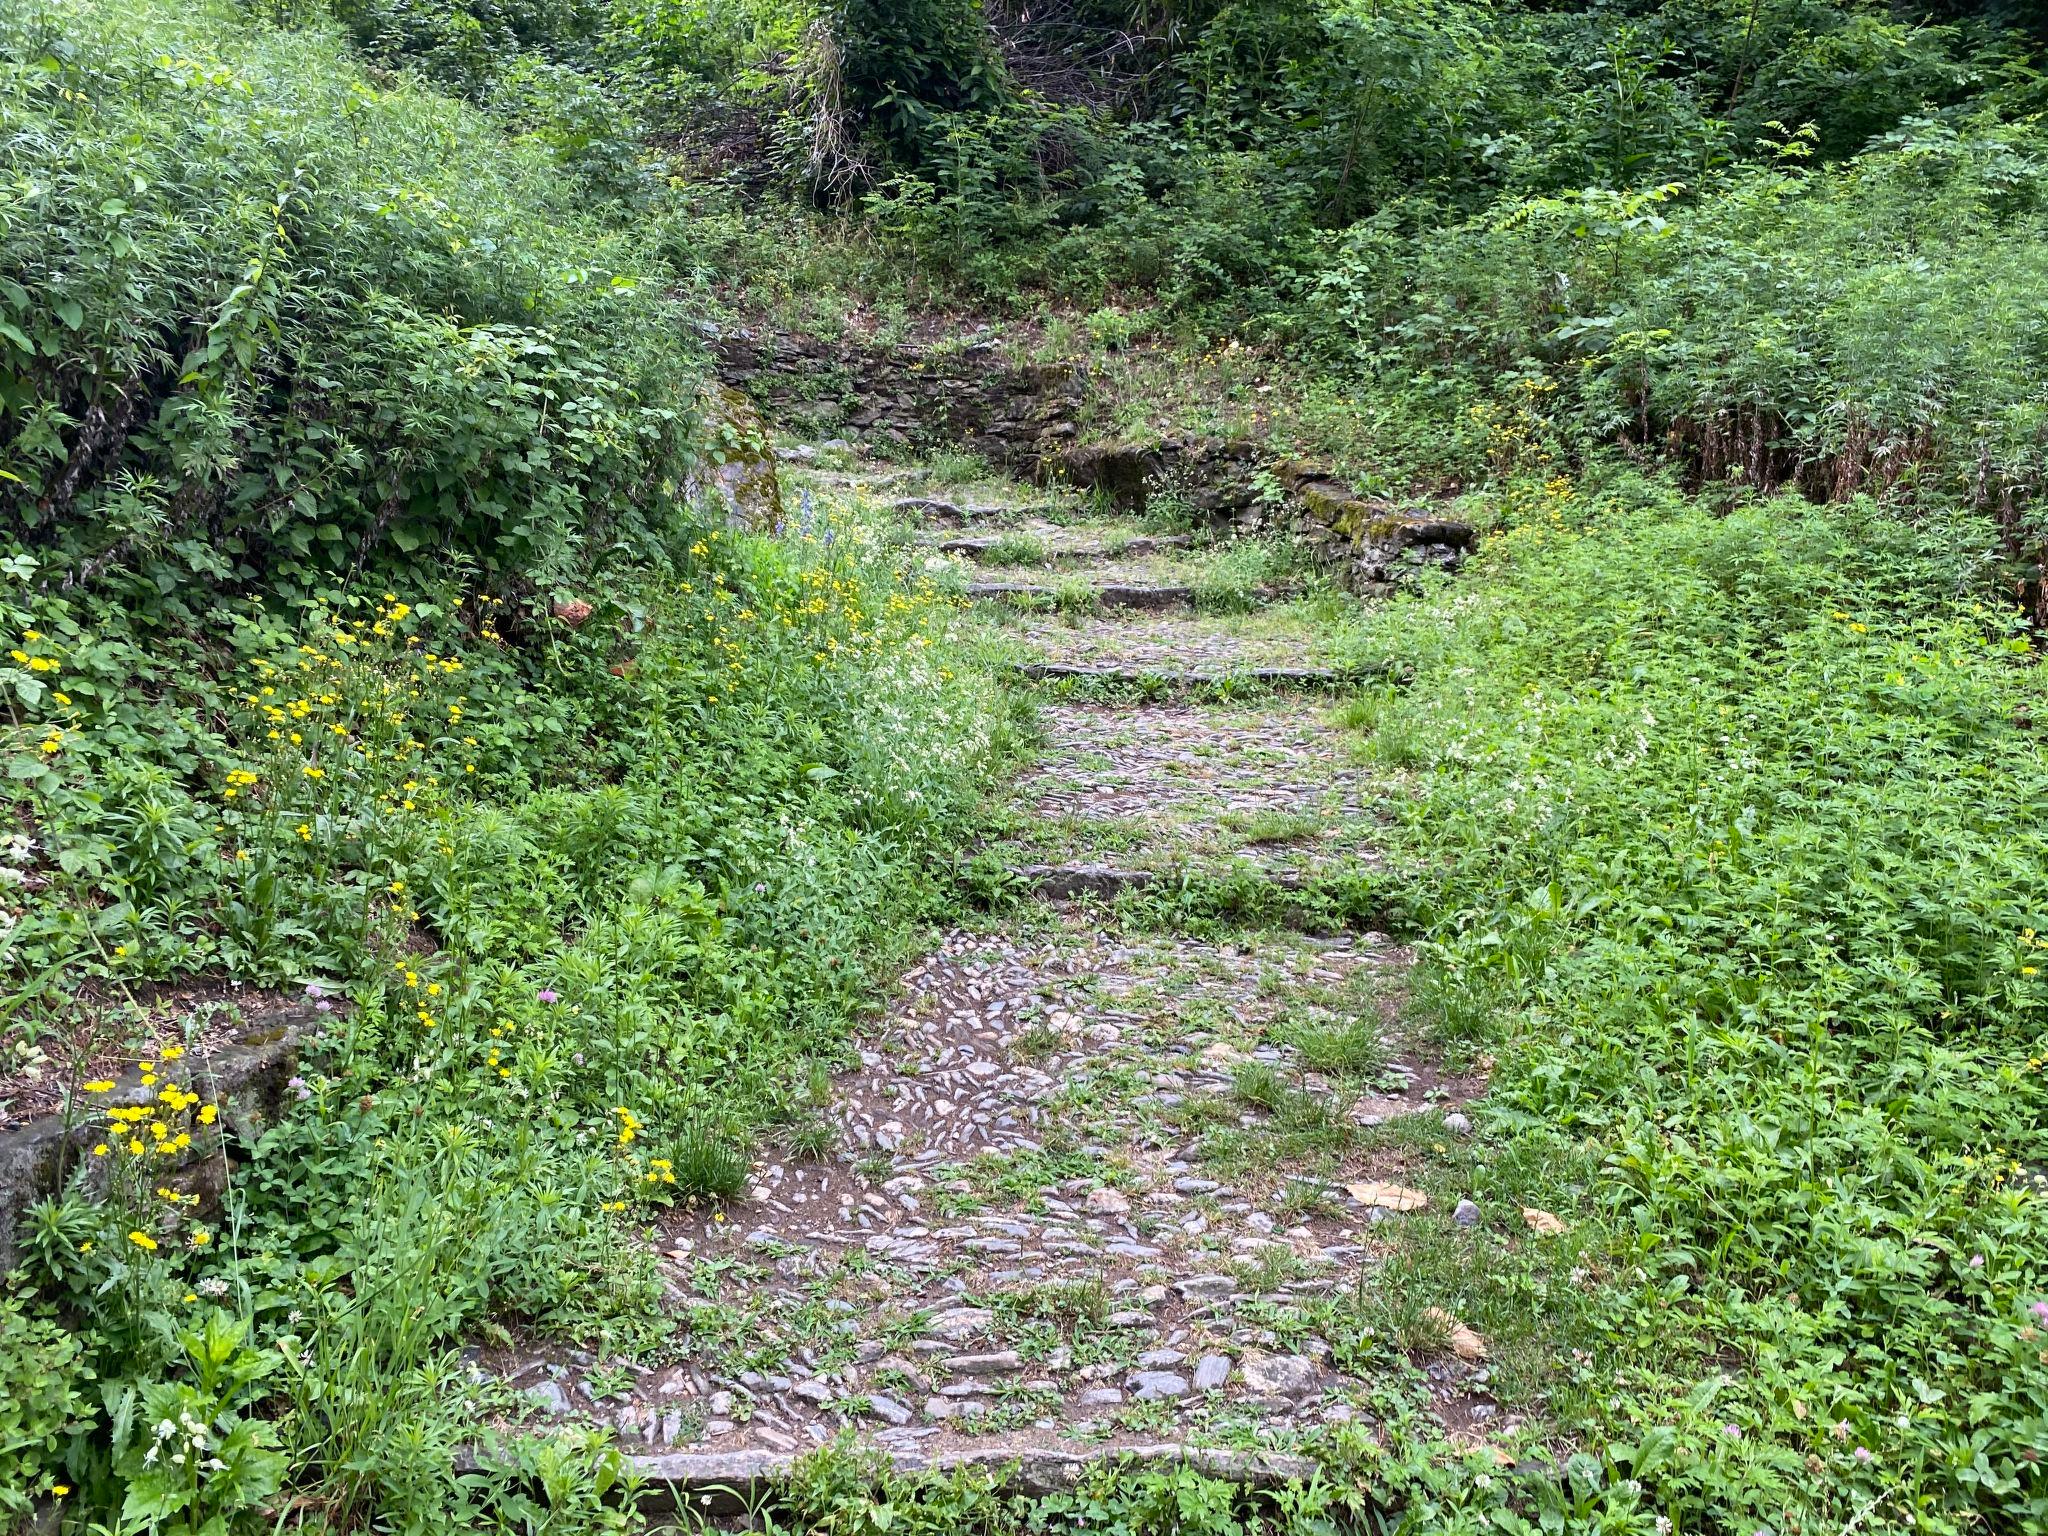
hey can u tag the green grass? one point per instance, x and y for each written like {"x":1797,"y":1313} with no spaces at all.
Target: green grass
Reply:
{"x":1015,"y":549}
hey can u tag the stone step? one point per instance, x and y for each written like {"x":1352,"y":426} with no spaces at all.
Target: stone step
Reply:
{"x":1115,"y":595}
{"x":1147,"y":678}
{"x":937,"y":509}
{"x":1071,"y":882}
{"x":736,"y":1482}
{"x":976,"y":546}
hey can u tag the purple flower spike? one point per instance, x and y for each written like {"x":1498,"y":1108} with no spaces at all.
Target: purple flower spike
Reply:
{"x":550,"y":995}
{"x":2040,"y":1310}
{"x":314,"y":989}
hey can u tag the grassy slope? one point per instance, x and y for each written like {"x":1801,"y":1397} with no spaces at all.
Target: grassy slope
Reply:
{"x":1727,"y":843}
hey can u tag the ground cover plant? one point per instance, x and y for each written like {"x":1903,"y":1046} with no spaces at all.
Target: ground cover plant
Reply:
{"x":1724,"y":845}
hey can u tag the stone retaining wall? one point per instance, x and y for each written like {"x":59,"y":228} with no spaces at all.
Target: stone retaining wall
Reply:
{"x":247,"y":1079}
{"x":972,"y":396}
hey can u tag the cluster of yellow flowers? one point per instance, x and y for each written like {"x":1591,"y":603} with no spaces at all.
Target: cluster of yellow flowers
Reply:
{"x":486,"y":622}
{"x":1515,"y":432}
{"x":630,"y":1125}
{"x":828,"y":606}
{"x":2031,"y":940}
{"x":161,"y":1125}
{"x":54,"y":736}
{"x":35,"y":663}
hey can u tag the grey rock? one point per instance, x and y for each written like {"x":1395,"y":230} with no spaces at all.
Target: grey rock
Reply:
{"x":1466,"y":1214}
{"x":1160,"y":1359}
{"x":1278,"y":1375}
{"x":549,"y":1397}
{"x":1100,"y":1397}
{"x":1151,"y":1386}
{"x":958,"y":1323}
{"x":1457,"y":1124}
{"x":888,"y":1409}
{"x":986,"y":1365}
{"x":1207,"y":1287}
{"x":1211,"y":1371}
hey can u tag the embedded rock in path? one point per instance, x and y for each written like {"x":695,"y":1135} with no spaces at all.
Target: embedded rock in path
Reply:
{"x":1279,"y":1375}
{"x":957,"y":1324}
{"x":986,"y":1365}
{"x":1211,"y":1372}
{"x":1154,"y":1386}
{"x":549,"y":1397}
{"x":888,"y":1409}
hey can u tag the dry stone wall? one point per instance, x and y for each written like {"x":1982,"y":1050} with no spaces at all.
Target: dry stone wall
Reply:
{"x":970,"y":397}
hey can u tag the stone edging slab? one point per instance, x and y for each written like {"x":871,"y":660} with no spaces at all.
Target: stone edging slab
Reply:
{"x":1275,"y":677}
{"x":1112,"y":596}
{"x":730,"y":1482}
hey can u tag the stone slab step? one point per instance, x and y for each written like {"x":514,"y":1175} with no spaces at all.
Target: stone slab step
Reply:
{"x":733,"y":1482}
{"x":1115,"y":595}
{"x":936,"y":509}
{"x":978,"y":545}
{"x":1154,"y":677}
{"x":1069,"y":882}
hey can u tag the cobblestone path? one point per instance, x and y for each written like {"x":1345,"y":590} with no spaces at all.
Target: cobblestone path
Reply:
{"x":1097,"y":1182}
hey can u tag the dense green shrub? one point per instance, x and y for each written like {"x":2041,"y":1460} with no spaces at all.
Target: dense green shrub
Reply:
{"x":466,"y":44}
{"x":265,"y":321}
{"x":1839,"y":328}
{"x":901,"y":64}
{"x":41,"y":1377}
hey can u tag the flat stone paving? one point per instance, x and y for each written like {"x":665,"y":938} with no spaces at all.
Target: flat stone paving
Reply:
{"x":1203,"y":788}
{"x":1020,"y":1238}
